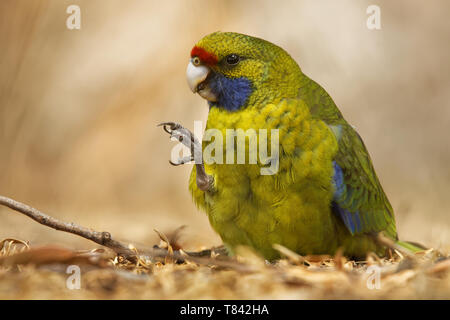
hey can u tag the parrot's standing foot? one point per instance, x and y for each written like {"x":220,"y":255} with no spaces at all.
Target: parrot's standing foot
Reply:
{"x":205,"y":182}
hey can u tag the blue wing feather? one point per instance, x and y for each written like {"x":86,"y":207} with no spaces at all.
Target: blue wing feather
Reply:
{"x":352,"y":220}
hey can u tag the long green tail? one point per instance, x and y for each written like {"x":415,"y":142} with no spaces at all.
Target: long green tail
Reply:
{"x":412,"y":247}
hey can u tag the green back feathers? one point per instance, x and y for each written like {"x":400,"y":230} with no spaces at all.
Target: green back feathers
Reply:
{"x":362,"y":194}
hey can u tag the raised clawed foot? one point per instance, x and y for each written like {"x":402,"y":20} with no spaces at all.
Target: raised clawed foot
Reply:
{"x":205,"y":182}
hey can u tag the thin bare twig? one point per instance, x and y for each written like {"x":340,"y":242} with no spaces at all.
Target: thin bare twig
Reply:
{"x":105,"y":239}
{"x":101,"y":238}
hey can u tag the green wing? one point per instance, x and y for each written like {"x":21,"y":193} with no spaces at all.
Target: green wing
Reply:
{"x":359,"y":198}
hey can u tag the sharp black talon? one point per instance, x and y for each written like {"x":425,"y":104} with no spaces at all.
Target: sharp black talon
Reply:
{"x":175,"y":164}
{"x":172,"y":125}
{"x":167,"y":130}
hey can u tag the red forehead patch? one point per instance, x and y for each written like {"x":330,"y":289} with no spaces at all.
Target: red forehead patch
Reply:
{"x":205,"y":56}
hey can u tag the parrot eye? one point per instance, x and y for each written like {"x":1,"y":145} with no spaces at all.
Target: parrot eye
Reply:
{"x":232,"y":59}
{"x":196,"y":61}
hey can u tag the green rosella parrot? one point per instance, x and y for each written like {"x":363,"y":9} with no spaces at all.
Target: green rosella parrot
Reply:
{"x":325,"y":194}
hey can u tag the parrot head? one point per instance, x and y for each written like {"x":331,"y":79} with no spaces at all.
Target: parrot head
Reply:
{"x":233,"y":71}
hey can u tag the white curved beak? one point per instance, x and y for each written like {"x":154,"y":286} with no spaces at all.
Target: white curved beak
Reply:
{"x":195,"y":76}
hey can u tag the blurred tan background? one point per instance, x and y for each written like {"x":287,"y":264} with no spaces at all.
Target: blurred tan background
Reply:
{"x":79,"y":108}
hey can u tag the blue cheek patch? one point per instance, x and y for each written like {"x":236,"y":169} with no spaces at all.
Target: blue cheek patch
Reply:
{"x":232,"y":94}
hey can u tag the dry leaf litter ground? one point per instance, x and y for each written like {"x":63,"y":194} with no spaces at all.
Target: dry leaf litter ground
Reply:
{"x":28,"y":272}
